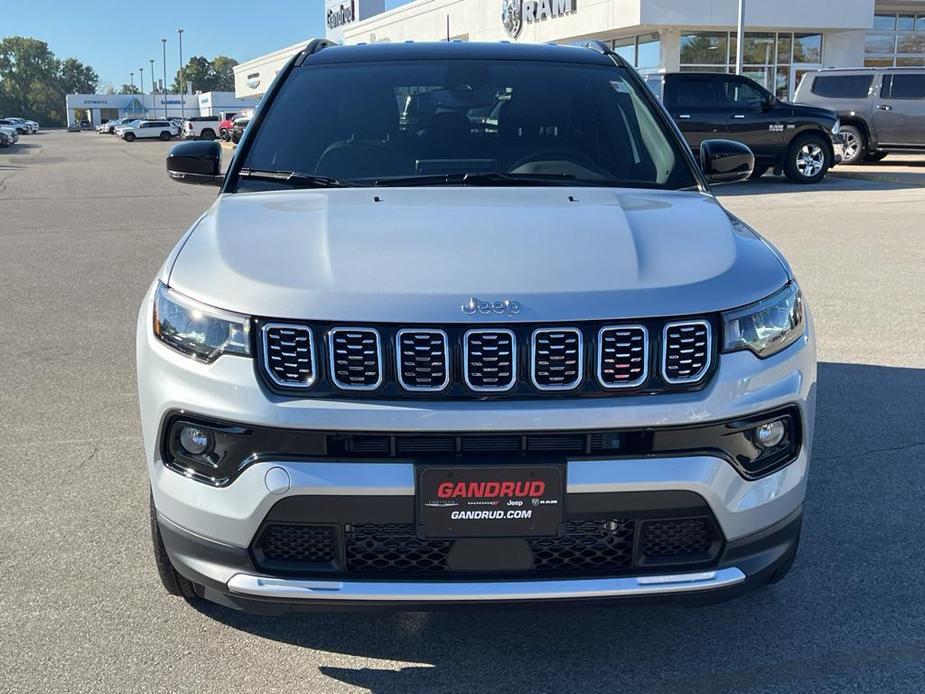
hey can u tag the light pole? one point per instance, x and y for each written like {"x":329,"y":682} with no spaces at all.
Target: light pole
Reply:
{"x":182,"y":89}
{"x":164,"y":47}
{"x":740,"y":38}
{"x":131,"y":79}
{"x":141,"y":76}
{"x":153,"y":81}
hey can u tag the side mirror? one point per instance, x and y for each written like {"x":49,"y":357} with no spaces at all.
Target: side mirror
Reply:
{"x":726,"y":161}
{"x":196,"y":162}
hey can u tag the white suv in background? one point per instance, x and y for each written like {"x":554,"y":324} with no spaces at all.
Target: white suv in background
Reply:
{"x":147,"y":129}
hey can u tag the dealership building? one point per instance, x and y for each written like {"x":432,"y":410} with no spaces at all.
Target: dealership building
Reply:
{"x":783,"y":39}
{"x":101,"y":108}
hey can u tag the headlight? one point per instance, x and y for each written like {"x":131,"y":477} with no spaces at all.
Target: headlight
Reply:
{"x":197,"y":330}
{"x":768,"y":326}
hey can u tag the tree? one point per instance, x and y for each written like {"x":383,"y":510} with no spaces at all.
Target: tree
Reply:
{"x":76,"y":78}
{"x":204,"y":75}
{"x":129,"y":89}
{"x":34,"y":83}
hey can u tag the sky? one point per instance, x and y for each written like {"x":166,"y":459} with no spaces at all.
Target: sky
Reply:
{"x":106,"y":35}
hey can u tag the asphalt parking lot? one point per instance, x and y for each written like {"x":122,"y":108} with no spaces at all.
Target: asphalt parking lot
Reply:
{"x":85,"y":222}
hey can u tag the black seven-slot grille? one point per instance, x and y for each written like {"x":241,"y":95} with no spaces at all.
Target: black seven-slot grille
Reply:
{"x":587,"y":547}
{"x":686,"y":351}
{"x":522,"y":360}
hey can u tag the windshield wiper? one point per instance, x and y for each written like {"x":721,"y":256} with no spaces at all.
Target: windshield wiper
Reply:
{"x":293,"y":178}
{"x":494,"y":178}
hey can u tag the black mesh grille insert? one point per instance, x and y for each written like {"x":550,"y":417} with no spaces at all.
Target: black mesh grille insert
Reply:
{"x":356,"y":358}
{"x":686,"y":355}
{"x":622,"y":356}
{"x":676,"y":537}
{"x":290,"y":354}
{"x":422,"y":359}
{"x":557,"y":358}
{"x":587,"y":545}
{"x":297,"y":543}
{"x":490,"y":357}
{"x":392,"y":549}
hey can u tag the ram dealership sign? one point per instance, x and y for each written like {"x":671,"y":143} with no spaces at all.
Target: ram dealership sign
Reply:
{"x":515,"y":12}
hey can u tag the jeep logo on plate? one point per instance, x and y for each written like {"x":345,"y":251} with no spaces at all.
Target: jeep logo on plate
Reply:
{"x":504,"y":307}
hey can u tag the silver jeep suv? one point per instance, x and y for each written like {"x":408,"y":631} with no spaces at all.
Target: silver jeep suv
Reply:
{"x":466,"y":324}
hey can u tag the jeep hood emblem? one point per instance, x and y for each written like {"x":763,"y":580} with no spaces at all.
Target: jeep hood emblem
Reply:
{"x":504,"y":307}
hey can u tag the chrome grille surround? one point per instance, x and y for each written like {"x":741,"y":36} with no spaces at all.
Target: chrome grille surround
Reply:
{"x":571,"y":359}
{"x":603,"y":340}
{"x":443,"y":353}
{"x":301,"y":353}
{"x":337,"y":353}
{"x":671,"y":337}
{"x":469,"y":352}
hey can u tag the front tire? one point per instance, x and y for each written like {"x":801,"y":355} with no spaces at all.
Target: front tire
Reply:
{"x":165,"y":136}
{"x":173,"y":582}
{"x":855,"y":147}
{"x":129,"y":137}
{"x":808,"y":159}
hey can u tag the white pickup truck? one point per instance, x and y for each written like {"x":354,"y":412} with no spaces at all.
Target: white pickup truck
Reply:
{"x":201,"y":128}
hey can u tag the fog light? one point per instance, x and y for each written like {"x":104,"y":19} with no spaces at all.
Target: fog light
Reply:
{"x":194,"y":440}
{"x":770,"y":434}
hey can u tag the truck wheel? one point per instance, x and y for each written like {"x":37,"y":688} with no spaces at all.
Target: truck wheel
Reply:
{"x":808,"y":159}
{"x":855,"y":148}
{"x":129,"y":137}
{"x":173,"y":582}
{"x":223,"y":133}
{"x":207,"y":134}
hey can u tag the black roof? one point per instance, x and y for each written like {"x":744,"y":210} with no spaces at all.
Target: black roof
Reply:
{"x":458,"y":50}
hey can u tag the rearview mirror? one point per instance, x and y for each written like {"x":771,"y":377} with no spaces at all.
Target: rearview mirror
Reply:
{"x":196,"y":162}
{"x":726,"y":161}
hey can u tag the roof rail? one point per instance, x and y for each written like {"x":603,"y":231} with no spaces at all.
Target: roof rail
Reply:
{"x":594,"y":45}
{"x":313,"y":47}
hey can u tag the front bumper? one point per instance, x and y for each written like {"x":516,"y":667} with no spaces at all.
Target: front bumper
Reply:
{"x":217,"y":526}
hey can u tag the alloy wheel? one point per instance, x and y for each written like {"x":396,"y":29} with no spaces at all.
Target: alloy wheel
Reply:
{"x":810,"y":160}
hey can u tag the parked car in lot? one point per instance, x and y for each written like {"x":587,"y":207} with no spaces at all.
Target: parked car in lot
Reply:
{"x":240,"y":125}
{"x":201,"y":128}
{"x":465,"y":362}
{"x":109,"y":127}
{"x":882,"y":110}
{"x":226,"y":125}
{"x":802,"y":142}
{"x":20,"y":128}
{"x":31,"y":126}
{"x":147,"y":129}
{"x":8,"y":136}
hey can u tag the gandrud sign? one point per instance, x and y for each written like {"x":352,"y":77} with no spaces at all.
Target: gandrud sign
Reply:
{"x":344,"y":14}
{"x":515,"y":12}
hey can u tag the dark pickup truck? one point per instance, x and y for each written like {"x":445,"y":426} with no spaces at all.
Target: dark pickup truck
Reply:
{"x":802,"y":142}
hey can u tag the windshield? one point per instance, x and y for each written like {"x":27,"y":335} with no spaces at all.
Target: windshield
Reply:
{"x":453,"y":121}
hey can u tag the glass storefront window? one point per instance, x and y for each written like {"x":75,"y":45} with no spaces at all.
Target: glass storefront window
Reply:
{"x":879,"y":43}
{"x":807,"y":48}
{"x":920,"y":22}
{"x":878,"y":62}
{"x":704,"y":48}
{"x":784,"y":46}
{"x":905,"y":22}
{"x":885,"y":21}
{"x":767,"y":60}
{"x":626,"y":48}
{"x":909,"y":62}
{"x":648,"y":51}
{"x":759,"y":49}
{"x":913,"y":42}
